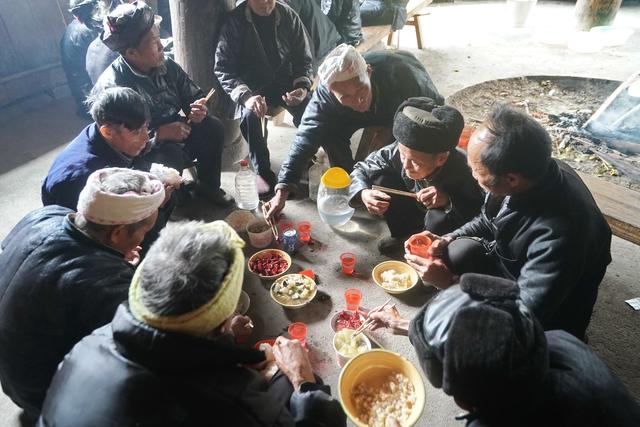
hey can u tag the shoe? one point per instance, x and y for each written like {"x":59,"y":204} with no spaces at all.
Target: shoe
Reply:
{"x":218,"y":196}
{"x":392,"y":246}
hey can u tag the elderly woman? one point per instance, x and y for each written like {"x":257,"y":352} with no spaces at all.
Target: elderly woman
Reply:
{"x":62,"y":274}
{"x":168,"y":358}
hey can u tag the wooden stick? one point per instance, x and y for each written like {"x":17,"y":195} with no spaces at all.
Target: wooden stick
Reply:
{"x":393,"y":191}
{"x":273,"y":227}
{"x":206,"y":99}
{"x":262,"y":125}
{"x":368,"y":322}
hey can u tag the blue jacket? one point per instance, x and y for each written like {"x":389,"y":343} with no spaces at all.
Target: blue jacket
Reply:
{"x":68,"y":174}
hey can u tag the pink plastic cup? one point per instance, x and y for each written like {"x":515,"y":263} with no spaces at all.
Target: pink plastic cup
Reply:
{"x":304,"y":231}
{"x":352,"y":297}
{"x":348,"y":261}
{"x":298,"y":331}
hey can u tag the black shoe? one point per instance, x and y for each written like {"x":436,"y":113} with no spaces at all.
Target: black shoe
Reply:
{"x":392,"y":246}
{"x":218,"y":197}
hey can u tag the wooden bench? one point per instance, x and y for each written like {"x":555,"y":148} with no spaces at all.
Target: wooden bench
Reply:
{"x":619,"y":205}
{"x":414,"y":12}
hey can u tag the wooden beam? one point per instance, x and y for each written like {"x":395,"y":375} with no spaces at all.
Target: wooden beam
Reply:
{"x":619,"y":205}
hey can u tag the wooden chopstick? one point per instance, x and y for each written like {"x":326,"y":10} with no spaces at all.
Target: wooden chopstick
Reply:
{"x":263,"y":125}
{"x":206,"y":99}
{"x":368,"y":322}
{"x":274,"y":229}
{"x":393,"y":191}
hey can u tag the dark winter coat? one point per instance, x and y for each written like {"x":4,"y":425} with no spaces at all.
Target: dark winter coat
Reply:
{"x":73,"y":50}
{"x":454,"y":178}
{"x":167,"y":90}
{"x":99,"y":57}
{"x":130,"y":374}
{"x":241,"y":63}
{"x":554,"y":242}
{"x":345,"y":15}
{"x":396,"y":76}
{"x":384,"y":12}
{"x":56,"y":286}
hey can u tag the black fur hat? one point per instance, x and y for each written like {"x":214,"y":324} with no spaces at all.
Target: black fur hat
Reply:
{"x":422,"y":125}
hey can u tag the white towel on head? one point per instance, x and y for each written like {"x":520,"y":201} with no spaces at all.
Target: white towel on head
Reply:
{"x":106,"y":208}
{"x":342,"y":63}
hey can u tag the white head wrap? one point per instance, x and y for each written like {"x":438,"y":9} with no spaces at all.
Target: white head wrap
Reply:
{"x":106,"y":208}
{"x":342,"y":63}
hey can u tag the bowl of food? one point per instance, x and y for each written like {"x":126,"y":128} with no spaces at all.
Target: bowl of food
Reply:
{"x":347,"y":319}
{"x":348,"y":345}
{"x":380,"y":385}
{"x":395,"y":277}
{"x":269,"y":263}
{"x":293,"y":290}
{"x":260,"y":234}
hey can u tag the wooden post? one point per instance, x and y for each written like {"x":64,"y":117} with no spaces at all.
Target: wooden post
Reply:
{"x":592,"y":13}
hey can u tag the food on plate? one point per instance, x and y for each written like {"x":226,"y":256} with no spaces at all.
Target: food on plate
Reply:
{"x":391,"y":399}
{"x":258,"y":227}
{"x":348,"y":345}
{"x":391,"y":279}
{"x":293,"y":289}
{"x":269,"y":265}
{"x":348,"y":319}
{"x":239,"y":219}
{"x":166,"y":174}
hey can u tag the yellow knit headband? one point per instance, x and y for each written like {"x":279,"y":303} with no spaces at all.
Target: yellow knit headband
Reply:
{"x":207,"y":317}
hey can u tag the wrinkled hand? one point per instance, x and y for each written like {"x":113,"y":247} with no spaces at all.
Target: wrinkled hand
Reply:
{"x":376,"y":202}
{"x":439,"y":246}
{"x":133,"y":256}
{"x":240,"y":326}
{"x":389,"y":318}
{"x":257,"y":104}
{"x":198,"y":111}
{"x":168,"y":192}
{"x":433,"y":237}
{"x":293,"y":361}
{"x":431,"y":270}
{"x":432,"y":198}
{"x":274,"y":206}
{"x":295,"y":97}
{"x":175,"y":131}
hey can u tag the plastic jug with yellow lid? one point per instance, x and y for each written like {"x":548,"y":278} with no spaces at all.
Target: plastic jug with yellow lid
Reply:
{"x":333,"y":197}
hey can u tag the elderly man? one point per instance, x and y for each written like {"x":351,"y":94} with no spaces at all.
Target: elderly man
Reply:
{"x":73,"y":49}
{"x":423,"y":160}
{"x":480,"y":343}
{"x":131,"y":30}
{"x":62,"y":274}
{"x":263,"y":61}
{"x":168,"y":357}
{"x":539,"y":225}
{"x":354,"y":92}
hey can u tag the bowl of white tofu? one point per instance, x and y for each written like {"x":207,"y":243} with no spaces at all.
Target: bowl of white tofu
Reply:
{"x":293,"y":290}
{"x":395,"y":277}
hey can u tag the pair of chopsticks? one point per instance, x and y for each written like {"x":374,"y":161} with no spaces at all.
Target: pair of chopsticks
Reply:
{"x":274,"y":229}
{"x":368,"y":322}
{"x":263,"y":125}
{"x":206,"y":99}
{"x":393,"y":191}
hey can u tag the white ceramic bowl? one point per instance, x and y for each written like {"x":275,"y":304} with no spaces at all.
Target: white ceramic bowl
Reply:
{"x":260,"y":239}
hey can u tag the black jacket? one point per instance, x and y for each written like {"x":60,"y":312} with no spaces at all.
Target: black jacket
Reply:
{"x":384,"y":12}
{"x":73,"y":50}
{"x":99,"y":57}
{"x":147,"y":377}
{"x":579,"y":390}
{"x":242,"y":66}
{"x":345,"y":14}
{"x":554,"y":242}
{"x":396,"y":76}
{"x":453,"y":178}
{"x":56,"y":286}
{"x":322,"y":33}
{"x":167,"y":90}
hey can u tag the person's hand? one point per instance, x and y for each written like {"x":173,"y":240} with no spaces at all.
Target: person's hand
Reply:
{"x":174,"y":131}
{"x":375,"y":201}
{"x":133,"y":256}
{"x":240,"y":326}
{"x":295,"y":97}
{"x":293,"y":361}
{"x":257,"y":104}
{"x":432,"y":198}
{"x":439,"y":246}
{"x":389,"y":318}
{"x":168,"y":192}
{"x":274,"y":206}
{"x":431,"y":270}
{"x":198,"y":111}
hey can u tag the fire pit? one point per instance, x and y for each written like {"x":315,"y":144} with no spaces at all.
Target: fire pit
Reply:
{"x":562,"y":105}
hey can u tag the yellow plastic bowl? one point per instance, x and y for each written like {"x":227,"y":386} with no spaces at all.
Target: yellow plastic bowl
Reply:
{"x":302,"y":303}
{"x":399,"y":267}
{"x":268,"y":252}
{"x":372,"y":366}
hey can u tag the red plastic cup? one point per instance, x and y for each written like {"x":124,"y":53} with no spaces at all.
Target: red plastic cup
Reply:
{"x":419,"y":245}
{"x":285,"y":225}
{"x":304,"y":231}
{"x":352,"y":297}
{"x":298,"y":331}
{"x":348,"y":261}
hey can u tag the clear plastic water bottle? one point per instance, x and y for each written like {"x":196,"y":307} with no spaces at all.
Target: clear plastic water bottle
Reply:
{"x":316,"y":171}
{"x":246,"y":189}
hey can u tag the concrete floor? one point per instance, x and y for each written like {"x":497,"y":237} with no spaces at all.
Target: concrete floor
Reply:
{"x":465,"y":43}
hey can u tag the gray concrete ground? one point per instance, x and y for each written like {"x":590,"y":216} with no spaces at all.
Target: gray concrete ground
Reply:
{"x":465,"y":43}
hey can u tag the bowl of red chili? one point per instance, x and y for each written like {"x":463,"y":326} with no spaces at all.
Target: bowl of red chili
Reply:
{"x":269,"y":263}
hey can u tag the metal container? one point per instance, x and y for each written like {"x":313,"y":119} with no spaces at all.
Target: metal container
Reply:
{"x":290,"y":240}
